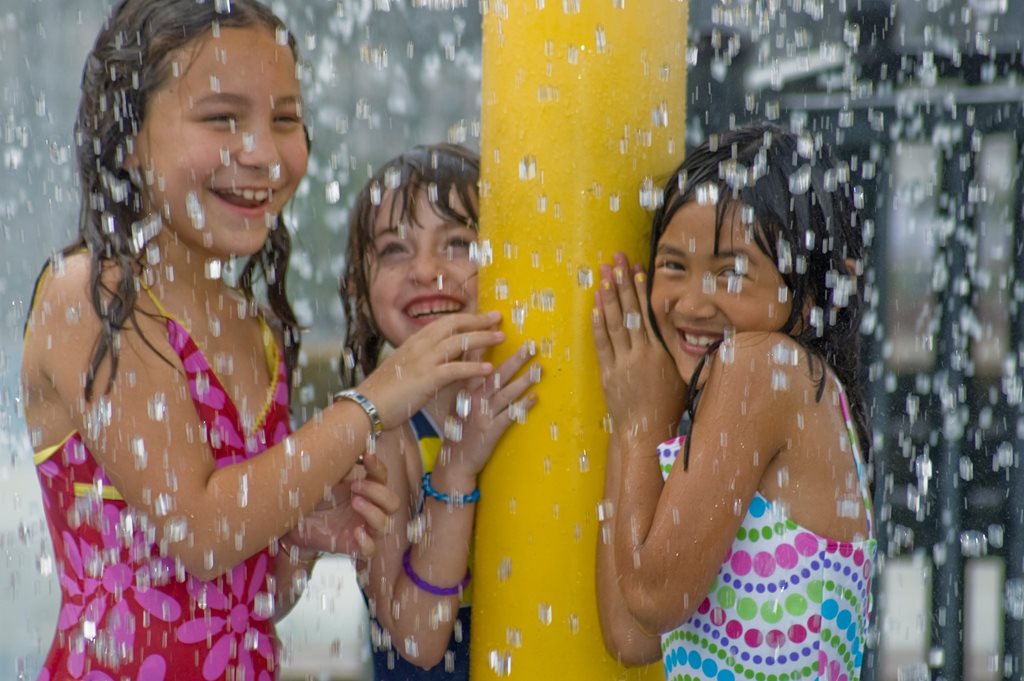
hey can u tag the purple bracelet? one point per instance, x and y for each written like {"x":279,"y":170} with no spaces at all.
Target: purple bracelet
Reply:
{"x":427,"y":586}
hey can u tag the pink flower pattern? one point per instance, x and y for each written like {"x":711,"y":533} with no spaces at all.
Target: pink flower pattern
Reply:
{"x":227,"y":622}
{"x":125,"y":612}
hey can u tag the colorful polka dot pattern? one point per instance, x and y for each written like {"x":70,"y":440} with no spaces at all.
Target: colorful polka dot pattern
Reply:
{"x":787,"y":604}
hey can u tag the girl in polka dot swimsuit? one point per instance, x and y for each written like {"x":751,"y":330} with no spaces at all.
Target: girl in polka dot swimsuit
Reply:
{"x":736,"y":531}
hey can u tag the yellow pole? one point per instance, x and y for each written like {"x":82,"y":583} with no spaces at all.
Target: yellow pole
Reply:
{"x":582,"y":117}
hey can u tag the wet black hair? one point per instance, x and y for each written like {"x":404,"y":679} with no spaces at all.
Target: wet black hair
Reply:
{"x":798,"y":203}
{"x":130,"y":61}
{"x":449,"y":174}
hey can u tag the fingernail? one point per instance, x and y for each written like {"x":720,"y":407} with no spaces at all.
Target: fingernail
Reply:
{"x":606,"y":285}
{"x":595,"y":314}
{"x":641,"y":277}
{"x":619,"y":275}
{"x":494,"y":315}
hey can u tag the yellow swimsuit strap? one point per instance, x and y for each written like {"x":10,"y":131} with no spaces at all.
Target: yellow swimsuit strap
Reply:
{"x":270,"y":351}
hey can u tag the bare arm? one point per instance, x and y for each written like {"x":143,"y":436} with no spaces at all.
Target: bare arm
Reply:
{"x":438,"y":538}
{"x":212,"y":518}
{"x":623,"y":635}
{"x":359,"y":511}
{"x":671,"y":537}
{"x":644,"y":397}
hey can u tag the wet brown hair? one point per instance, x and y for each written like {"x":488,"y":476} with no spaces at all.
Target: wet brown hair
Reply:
{"x":130,"y":61}
{"x":448,"y":171}
{"x":801,"y":202}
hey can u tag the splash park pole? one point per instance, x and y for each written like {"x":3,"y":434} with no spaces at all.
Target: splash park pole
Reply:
{"x":582,"y":118}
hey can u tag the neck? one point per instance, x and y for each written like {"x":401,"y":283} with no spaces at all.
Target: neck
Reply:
{"x":185,"y":279}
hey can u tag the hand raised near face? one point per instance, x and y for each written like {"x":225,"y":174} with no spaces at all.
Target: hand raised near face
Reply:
{"x":443,"y":352}
{"x":484,"y":409}
{"x":642,"y":387}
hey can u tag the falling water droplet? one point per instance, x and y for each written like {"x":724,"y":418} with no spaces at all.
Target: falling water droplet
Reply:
{"x":463,"y":404}
{"x":333,"y":192}
{"x":194,"y":209}
{"x":157,"y":407}
{"x":138,"y":447}
{"x":527,"y":167}
{"x":519,"y":315}
{"x":214,"y":268}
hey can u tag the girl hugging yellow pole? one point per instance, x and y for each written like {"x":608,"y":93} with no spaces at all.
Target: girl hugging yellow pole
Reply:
{"x":582,"y":116}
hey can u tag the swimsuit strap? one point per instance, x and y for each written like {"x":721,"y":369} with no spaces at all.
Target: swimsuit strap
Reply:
{"x":270,"y":353}
{"x":428,"y":436}
{"x":851,"y":431}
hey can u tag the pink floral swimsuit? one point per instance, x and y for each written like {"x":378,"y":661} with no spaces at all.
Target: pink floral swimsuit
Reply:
{"x":127,"y":612}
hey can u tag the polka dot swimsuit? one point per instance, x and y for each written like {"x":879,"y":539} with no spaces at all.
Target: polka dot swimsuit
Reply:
{"x":786,"y":604}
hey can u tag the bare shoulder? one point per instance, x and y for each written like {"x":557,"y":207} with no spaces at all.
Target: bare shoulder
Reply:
{"x":61,"y":332}
{"x":62,"y":319}
{"x":761,"y":372}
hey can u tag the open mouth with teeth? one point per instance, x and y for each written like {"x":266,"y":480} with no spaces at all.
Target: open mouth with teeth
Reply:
{"x":695,"y":343}
{"x":245,"y":198}
{"x":429,"y":310}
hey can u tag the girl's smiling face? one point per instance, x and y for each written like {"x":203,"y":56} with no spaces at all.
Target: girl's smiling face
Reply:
{"x":222,"y":147}
{"x":419,"y":271}
{"x":698,"y":295}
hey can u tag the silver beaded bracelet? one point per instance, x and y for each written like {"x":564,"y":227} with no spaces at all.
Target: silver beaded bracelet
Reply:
{"x":376,"y":425}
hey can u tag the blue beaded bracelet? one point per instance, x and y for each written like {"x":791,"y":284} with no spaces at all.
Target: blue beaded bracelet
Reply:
{"x":427,"y":586}
{"x":459,"y":500}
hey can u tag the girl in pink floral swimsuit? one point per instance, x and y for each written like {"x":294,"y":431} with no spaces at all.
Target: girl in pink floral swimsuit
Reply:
{"x":157,"y":394}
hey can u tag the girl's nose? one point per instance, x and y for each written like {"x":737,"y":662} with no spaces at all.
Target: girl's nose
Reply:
{"x":696,"y":297}
{"x":427,"y":268}
{"x":258,"y":149}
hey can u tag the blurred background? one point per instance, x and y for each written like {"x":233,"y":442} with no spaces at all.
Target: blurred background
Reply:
{"x":922,"y":97}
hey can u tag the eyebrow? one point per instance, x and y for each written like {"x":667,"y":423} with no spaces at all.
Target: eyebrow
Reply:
{"x":217,"y":98}
{"x":678,"y":252}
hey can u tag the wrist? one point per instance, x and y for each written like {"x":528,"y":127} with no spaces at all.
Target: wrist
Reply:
{"x":368,"y":407}
{"x":451,"y":497}
{"x":451,"y":480}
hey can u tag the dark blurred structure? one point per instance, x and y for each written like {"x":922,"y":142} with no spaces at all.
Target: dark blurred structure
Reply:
{"x":924,"y":98}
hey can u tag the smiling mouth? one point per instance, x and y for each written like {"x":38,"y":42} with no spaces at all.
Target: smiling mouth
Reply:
{"x":699,"y":341}
{"x":245,"y":198}
{"x":696,"y":343}
{"x":433,"y":308}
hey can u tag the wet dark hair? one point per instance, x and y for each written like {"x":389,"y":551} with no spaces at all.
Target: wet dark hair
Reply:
{"x":447,"y":171}
{"x":797,"y":201}
{"x":130,"y":61}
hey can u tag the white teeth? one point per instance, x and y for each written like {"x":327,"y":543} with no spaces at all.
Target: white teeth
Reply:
{"x":251,"y":194}
{"x":433,"y":309}
{"x":700,"y":341}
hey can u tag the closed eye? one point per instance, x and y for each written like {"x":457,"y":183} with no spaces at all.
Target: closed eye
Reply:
{"x":222,"y":118}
